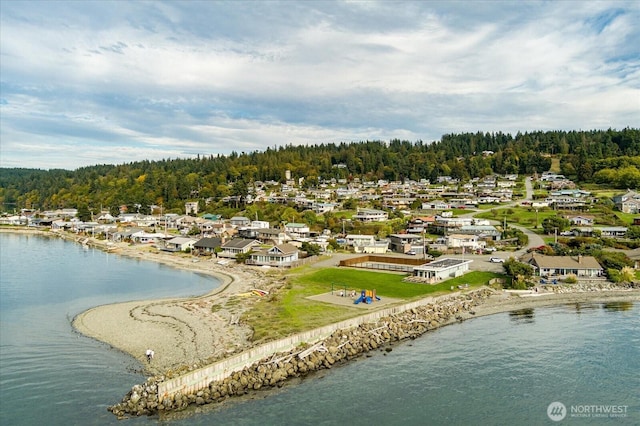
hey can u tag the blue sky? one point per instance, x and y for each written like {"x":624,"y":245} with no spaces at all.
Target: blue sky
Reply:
{"x":84,"y":83}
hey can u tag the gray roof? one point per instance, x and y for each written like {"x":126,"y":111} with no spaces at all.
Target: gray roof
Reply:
{"x":208,"y":243}
{"x":239,"y":243}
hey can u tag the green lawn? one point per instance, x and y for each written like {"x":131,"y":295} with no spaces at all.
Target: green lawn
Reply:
{"x":289,"y":311}
{"x":627,"y":218}
{"x":523,"y":216}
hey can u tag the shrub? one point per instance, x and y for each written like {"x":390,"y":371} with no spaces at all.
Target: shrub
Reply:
{"x":571,"y":279}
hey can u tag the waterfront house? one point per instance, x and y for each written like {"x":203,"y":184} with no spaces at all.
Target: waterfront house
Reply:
{"x":581,"y":266}
{"x":282,"y":255}
{"x":179,"y":244}
{"x":207,"y":245}
{"x":237,"y":246}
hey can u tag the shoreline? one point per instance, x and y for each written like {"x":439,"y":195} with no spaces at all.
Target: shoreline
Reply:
{"x":190,"y":332}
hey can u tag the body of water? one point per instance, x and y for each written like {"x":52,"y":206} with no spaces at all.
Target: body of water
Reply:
{"x":502,"y":369}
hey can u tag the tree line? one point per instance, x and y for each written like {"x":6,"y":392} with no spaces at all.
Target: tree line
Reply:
{"x":610,"y":157}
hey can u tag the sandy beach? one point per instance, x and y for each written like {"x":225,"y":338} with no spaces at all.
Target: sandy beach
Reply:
{"x":183,"y":332}
{"x":192,"y":332}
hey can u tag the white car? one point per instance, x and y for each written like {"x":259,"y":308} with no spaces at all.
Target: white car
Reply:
{"x":496,"y":260}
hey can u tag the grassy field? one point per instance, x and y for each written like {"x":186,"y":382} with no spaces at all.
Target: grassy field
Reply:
{"x":523,"y":216}
{"x":289,"y":311}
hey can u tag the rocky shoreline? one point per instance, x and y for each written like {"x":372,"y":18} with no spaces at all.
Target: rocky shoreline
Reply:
{"x":341,"y":346}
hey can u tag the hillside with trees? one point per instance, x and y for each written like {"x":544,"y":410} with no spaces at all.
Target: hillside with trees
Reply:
{"x":607,"y":157}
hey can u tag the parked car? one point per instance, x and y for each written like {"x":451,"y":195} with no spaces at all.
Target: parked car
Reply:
{"x":496,"y":260}
{"x":411,"y":252}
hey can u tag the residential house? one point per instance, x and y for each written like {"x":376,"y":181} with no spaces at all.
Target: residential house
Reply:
{"x":485,"y":232}
{"x":237,"y":246}
{"x":320,"y":208}
{"x":628,"y":202}
{"x":359,"y":240}
{"x":179,"y":244}
{"x":436,"y":205}
{"x":464,"y":242}
{"x":282,"y":255}
{"x":370,"y":215}
{"x":418,"y":225}
{"x":613,"y":231}
{"x":402,"y":243}
{"x":207,"y":246}
{"x":238,"y":221}
{"x":142,"y":237}
{"x":297,"y":230}
{"x":272,"y":236}
{"x":581,"y":220}
{"x":581,"y":266}
{"x":126,"y":235}
{"x":442,"y":269}
{"x":191,"y":207}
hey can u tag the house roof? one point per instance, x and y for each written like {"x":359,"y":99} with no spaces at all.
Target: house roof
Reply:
{"x":208,"y":243}
{"x":443,"y":264}
{"x":284,"y":248}
{"x":181,"y":240}
{"x":561,"y":262}
{"x":239,"y":243}
{"x":269,"y":231}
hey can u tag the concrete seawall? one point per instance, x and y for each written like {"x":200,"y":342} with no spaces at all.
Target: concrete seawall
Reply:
{"x":273,"y":363}
{"x":197,"y":380}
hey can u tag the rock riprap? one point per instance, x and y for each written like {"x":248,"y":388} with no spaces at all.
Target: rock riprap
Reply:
{"x":273,"y":371}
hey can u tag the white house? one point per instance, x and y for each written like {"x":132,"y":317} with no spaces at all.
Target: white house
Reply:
{"x":281,"y":255}
{"x":359,"y":240}
{"x":259,"y":224}
{"x":297,"y":230}
{"x":180,"y":244}
{"x":442,"y":269}
{"x":464,"y":241}
{"x":371,"y":215}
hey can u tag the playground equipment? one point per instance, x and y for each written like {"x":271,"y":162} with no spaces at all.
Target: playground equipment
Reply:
{"x":366,"y":296}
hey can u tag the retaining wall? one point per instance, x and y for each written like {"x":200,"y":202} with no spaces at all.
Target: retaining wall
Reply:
{"x":199,"y":379}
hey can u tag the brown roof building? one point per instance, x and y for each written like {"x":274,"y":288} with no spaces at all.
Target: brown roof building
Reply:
{"x":581,"y":266}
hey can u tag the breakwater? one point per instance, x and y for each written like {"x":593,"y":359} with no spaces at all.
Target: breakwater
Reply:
{"x":274,"y":370}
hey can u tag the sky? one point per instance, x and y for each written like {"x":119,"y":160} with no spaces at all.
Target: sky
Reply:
{"x":112,"y":82}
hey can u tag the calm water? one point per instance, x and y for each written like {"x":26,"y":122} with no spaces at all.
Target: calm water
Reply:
{"x":502,"y":369}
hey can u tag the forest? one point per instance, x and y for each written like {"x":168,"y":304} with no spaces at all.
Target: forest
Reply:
{"x":606,"y":157}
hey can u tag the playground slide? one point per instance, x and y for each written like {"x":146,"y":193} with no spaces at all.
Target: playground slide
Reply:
{"x":358,"y":300}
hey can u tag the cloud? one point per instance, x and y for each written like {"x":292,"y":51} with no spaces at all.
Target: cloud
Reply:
{"x":177,"y":79}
